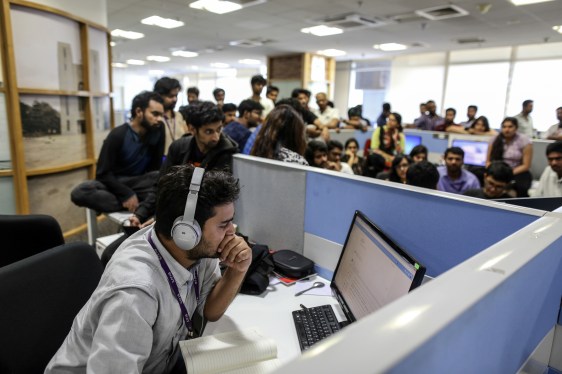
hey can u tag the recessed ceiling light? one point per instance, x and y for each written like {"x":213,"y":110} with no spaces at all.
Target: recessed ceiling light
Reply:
{"x":249,"y":61}
{"x":158,"y":58}
{"x":119,"y":65}
{"x":127,"y":34}
{"x":557,"y":28}
{"x":220,"y":65}
{"x":113,"y":44}
{"x":135,"y":62}
{"x":156,"y":72}
{"x":527,"y":2}
{"x":332,"y":52}
{"x":166,"y":23}
{"x":390,"y":47}
{"x":215,"y":6}
{"x":185,"y":54}
{"x":322,"y":30}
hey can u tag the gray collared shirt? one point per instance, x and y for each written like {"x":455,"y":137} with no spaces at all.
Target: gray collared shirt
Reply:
{"x":132,"y":323}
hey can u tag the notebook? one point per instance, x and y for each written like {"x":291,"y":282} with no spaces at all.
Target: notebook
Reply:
{"x":372,"y":271}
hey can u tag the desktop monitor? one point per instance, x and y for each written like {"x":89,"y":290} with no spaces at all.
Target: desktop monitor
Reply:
{"x":411,"y":142}
{"x":372,"y":270}
{"x":475,"y":151}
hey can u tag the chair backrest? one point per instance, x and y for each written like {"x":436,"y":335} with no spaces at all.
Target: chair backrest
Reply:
{"x":39,"y":298}
{"x":26,"y":235}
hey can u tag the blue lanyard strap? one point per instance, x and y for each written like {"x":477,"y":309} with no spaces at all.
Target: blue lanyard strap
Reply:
{"x":174,"y":286}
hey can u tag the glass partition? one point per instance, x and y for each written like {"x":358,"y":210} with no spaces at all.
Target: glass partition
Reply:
{"x":7,"y":196}
{"x":99,"y":60}
{"x":5,"y":156}
{"x":100,"y":112}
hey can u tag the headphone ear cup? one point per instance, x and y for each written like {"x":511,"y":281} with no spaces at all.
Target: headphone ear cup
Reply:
{"x":186,"y":235}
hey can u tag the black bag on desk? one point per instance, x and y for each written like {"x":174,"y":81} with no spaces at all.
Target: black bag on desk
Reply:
{"x":292,"y":264}
{"x":257,"y":277}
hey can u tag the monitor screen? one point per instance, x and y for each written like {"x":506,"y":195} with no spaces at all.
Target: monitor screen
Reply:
{"x":475,"y":151}
{"x":411,"y":142}
{"x":372,"y":270}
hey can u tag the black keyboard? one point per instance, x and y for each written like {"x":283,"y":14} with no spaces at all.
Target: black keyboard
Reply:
{"x":315,"y":324}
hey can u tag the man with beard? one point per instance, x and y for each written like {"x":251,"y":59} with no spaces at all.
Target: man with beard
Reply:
{"x":169,"y":88}
{"x":550,"y":183}
{"x":249,"y":117}
{"x":129,"y":160}
{"x":452,"y":177}
{"x":145,"y":302}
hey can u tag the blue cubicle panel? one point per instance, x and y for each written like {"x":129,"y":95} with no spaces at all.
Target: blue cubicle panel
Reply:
{"x":499,"y":332}
{"x":431,"y":227}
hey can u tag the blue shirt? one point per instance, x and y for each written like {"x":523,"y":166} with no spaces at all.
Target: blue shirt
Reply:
{"x":250,"y":141}
{"x":466,"y":181}
{"x":238,"y":132}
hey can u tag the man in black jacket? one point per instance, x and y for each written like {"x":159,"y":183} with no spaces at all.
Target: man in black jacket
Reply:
{"x":129,"y":160}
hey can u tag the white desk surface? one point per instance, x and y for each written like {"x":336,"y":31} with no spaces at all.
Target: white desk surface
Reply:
{"x":271,"y":313}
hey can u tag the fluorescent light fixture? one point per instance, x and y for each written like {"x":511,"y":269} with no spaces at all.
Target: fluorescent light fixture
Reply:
{"x":331,"y":52}
{"x":557,"y":28}
{"x":249,"y":61}
{"x":156,"y":72}
{"x":166,"y":23}
{"x":135,"y":62}
{"x":158,"y":58}
{"x":216,"y":6}
{"x":185,"y":54}
{"x":322,"y":30}
{"x":127,"y":34}
{"x":390,"y":47}
{"x":220,"y":65}
{"x":113,"y":44}
{"x":119,"y":65}
{"x":527,"y":2}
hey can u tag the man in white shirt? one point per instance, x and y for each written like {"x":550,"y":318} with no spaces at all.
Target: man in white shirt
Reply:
{"x":146,"y":299}
{"x":258,"y":82}
{"x":524,"y":119}
{"x":328,"y":116}
{"x":554,"y":132}
{"x":550,"y":183}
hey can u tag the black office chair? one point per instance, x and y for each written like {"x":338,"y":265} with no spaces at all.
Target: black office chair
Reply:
{"x":26,"y":235}
{"x":39,"y":298}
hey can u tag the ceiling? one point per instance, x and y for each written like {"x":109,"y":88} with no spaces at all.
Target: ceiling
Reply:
{"x":277,"y":24}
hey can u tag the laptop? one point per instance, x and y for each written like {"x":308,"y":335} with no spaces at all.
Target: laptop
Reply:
{"x":372,"y":272}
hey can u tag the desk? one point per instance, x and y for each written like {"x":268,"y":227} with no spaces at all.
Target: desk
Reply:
{"x":271,"y":313}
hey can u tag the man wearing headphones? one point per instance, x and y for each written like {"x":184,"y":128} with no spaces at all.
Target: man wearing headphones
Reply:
{"x":146,"y":299}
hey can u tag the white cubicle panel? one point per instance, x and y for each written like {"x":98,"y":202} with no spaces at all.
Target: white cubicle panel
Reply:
{"x":486,"y":315}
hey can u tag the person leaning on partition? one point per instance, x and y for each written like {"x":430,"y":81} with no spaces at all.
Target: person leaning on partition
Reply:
{"x":135,"y":317}
{"x":550,"y":183}
{"x":497,"y":179}
{"x":453,"y":177}
{"x":389,"y":140}
{"x":128,"y":162}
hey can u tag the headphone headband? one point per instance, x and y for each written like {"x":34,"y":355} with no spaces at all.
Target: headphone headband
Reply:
{"x":191,"y":203}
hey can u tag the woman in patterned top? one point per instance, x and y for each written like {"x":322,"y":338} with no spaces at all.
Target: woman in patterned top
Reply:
{"x":282,"y":137}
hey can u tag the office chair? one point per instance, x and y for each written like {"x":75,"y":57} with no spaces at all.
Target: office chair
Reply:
{"x":26,"y":235}
{"x":40,"y":296}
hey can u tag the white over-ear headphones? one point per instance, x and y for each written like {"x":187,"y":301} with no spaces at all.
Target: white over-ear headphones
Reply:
{"x":186,"y":232}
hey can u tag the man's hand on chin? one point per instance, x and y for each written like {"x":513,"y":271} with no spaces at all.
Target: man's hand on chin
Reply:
{"x":235,"y":253}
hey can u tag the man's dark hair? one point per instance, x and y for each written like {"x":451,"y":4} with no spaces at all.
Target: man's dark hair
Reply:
{"x":455,"y":150}
{"x":293,"y":103}
{"x":141,"y":101}
{"x":297,"y":91}
{"x":351,"y":140}
{"x":500,"y":171}
{"x":258,"y":79}
{"x":201,"y":113}
{"x":423,"y":174}
{"x":229,"y":107}
{"x":334,"y":144}
{"x":430,"y":102}
{"x":217,"y":188}
{"x":418,"y":149}
{"x":527,"y":102}
{"x":248,"y":106}
{"x":164,"y":85}
{"x":554,"y":147}
{"x":473,"y":107}
{"x":193,"y":90}
{"x":386,"y":107}
{"x":313,"y":147}
{"x":217,"y":91}
{"x":355,"y":111}
{"x":451,"y":110}
{"x":271,"y":89}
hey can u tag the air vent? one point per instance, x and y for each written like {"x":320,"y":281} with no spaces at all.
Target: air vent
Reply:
{"x":407,"y":17}
{"x":442,"y":12}
{"x":351,"y":21}
{"x":249,"y":43}
{"x":471,"y":41}
{"x":247,"y":3}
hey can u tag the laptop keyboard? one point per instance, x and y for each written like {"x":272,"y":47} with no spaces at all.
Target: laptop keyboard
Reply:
{"x":314,"y":324}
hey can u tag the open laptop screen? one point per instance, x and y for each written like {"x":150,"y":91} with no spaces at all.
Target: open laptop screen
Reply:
{"x":475,"y":151}
{"x":372,"y":270}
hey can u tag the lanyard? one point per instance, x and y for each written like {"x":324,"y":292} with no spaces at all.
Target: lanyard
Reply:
{"x":172,"y":131}
{"x":174,"y":286}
